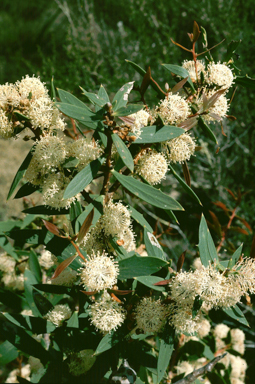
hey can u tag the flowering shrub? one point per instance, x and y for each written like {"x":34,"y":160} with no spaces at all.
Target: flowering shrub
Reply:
{"x":90,"y":303}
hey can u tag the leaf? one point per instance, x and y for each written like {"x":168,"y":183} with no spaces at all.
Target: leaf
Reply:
{"x":84,"y":116}
{"x":236,"y":314}
{"x":8,"y":352}
{"x":152,"y":245}
{"x":235,"y":257}
{"x":245,"y":81}
{"x":146,"y":81}
{"x":26,"y":190}
{"x":46,"y":210}
{"x":154,"y":134}
{"x":180,"y":261}
{"x":71,"y":162}
{"x":52,"y":228}
{"x":232,"y":46}
{"x":139,"y":266}
{"x":212,"y":100}
{"x":6,"y":245}
{"x":20,"y":173}
{"x":68,"y":98}
{"x":107,"y":342}
{"x":184,"y":185}
{"x":147,"y":193}
{"x":85,"y":226}
{"x":93,"y":98}
{"x":166,"y":348}
{"x":97,"y":205}
{"x":43,"y":305}
{"x":150,"y":281}
{"x":29,"y":281}
{"x":62,"y":266}
{"x":172,"y":216}
{"x":53,"y":92}
{"x":206,"y":129}
{"x":186,"y":174}
{"x":179,"y":85}
{"x":196,"y":32}
{"x":34,"y":266}
{"x":103,"y":94}
{"x":179,"y":71}
{"x":137,"y":216}
{"x":128,"y":110}
{"x":123,"y":151}
{"x":121,"y":98}
{"x":206,"y":246}
{"x":73,"y":322}
{"x":216,"y":223}
{"x":51,"y":288}
{"x":83,"y":178}
{"x":196,"y":306}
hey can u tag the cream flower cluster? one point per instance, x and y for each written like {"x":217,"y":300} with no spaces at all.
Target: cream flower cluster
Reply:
{"x":66,"y":278}
{"x":59,"y":314}
{"x":30,"y":98}
{"x":106,"y":314}
{"x":220,"y":108}
{"x":179,"y":149}
{"x":152,"y":166}
{"x":151,"y":315}
{"x":10,"y":279}
{"x":141,"y":119}
{"x":47,"y":259}
{"x":84,"y":150}
{"x":173,"y":109}
{"x":100,"y":272}
{"x":189,"y":65}
{"x":115,"y":222}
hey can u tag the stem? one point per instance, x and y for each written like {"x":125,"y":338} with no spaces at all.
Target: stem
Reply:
{"x":223,"y":237}
{"x":108,"y":150}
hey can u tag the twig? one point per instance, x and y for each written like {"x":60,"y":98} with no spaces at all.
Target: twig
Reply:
{"x":201,"y":371}
{"x":223,"y":237}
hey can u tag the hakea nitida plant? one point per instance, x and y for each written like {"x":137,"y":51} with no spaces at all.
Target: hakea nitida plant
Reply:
{"x":88,"y":303}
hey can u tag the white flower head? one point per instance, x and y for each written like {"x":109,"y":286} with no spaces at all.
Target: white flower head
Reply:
{"x":81,"y":362}
{"x":13,"y":281}
{"x":237,"y":340}
{"x":59,"y":314}
{"x":66,"y":278}
{"x":189,"y":65}
{"x":152,"y":166}
{"x":40,"y":112}
{"x":184,"y":367}
{"x":173,"y":109}
{"x":151,"y":315}
{"x":238,"y":367}
{"x":6,"y":126}
{"x":85,"y":150}
{"x":106,"y":314}
{"x":100,"y":272}
{"x":221,"y":331}
{"x":23,"y":372}
{"x":7,"y":263}
{"x":31,"y":87}
{"x":47,"y":259}
{"x":141,"y":119}
{"x":9,"y":96}
{"x":204,"y":329}
{"x":116,"y":219}
{"x":182,"y":320}
{"x":219,"y":74}
{"x":179,"y":149}
{"x":220,"y":107}
{"x":243,"y":274}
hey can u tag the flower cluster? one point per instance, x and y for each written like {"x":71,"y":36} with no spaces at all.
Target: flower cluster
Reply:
{"x":179,"y":149}
{"x":59,"y":314}
{"x":152,"y":166}
{"x":151,"y":315}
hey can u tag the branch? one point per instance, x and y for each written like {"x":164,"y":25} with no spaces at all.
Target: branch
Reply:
{"x":201,"y":371}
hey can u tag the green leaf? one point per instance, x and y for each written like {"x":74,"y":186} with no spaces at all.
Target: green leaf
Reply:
{"x":121,"y":98}
{"x":26,"y":190}
{"x":84,"y":116}
{"x":73,"y":322}
{"x":235,"y":257}
{"x":236,"y":314}
{"x":93,"y":98}
{"x":98,"y":211}
{"x":107,"y":342}
{"x":206,"y":246}
{"x":184,"y":185}
{"x":172,"y":216}
{"x":147,"y":193}
{"x":21,"y":171}
{"x":166,"y":348}
{"x":43,"y":305}
{"x":139,"y":266}
{"x":128,"y":110}
{"x":149,"y":281}
{"x":46,"y":210}
{"x":232,"y":46}
{"x":8,"y":353}
{"x":179,"y":71}
{"x":123,"y":151}
{"x":137,"y":216}
{"x":83,"y":178}
{"x":6,"y":245}
{"x":71,"y":162}
{"x":121,"y":252}
{"x":245,"y":81}
{"x":68,"y":98}
{"x":34,"y":266}
{"x":51,"y":288}
{"x":152,"y":245}
{"x":29,"y":281}
{"x":103,"y":94}
{"x":196,"y":306}
{"x":207,"y":130}
{"x":154,"y":134}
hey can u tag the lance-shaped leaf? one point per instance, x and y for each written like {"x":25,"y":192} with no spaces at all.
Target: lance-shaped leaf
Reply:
{"x":180,"y":261}
{"x":151,"y":282}
{"x":62,"y":266}
{"x":137,"y":216}
{"x":43,"y":305}
{"x":207,"y":130}
{"x":166,"y":347}
{"x":46,"y":210}
{"x":179,"y":71}
{"x":85,"y":226}
{"x":152,"y":245}
{"x":196,"y":32}
{"x":83,"y":178}
{"x":34,"y":265}
{"x":186,"y":174}
{"x":19,"y":175}
{"x":68,"y":98}
{"x":236,"y":314}
{"x":123,"y":151}
{"x":139,"y":266}
{"x":103,"y":94}
{"x":146,"y":81}
{"x":154,"y":134}
{"x":26,"y":190}
{"x":235,"y":257}
{"x":212,"y":100}
{"x":52,"y":228}
{"x":206,"y":246}
{"x":121,"y":98}
{"x":84,"y":116}
{"x":179,"y":85}
{"x":147,"y":193}
{"x":245,"y":81}
{"x":232,"y":46}
{"x":128,"y":110}
{"x":8,"y":352}
{"x":95,"y":99}
{"x":184,"y":185}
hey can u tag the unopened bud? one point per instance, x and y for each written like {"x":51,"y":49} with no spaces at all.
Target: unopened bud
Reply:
{"x":108,"y":106}
{"x":167,"y":88}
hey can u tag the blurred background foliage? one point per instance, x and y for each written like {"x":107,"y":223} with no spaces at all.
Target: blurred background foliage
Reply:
{"x":86,"y":42}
